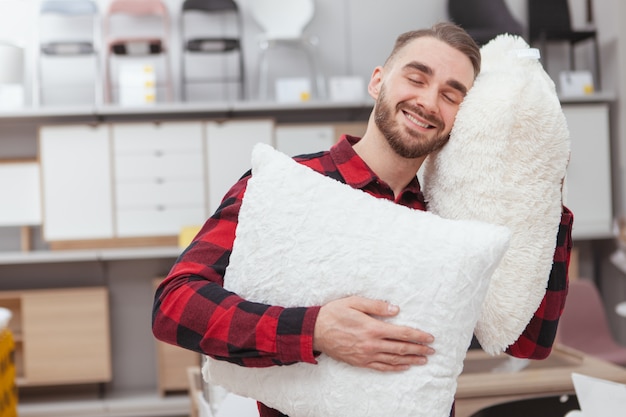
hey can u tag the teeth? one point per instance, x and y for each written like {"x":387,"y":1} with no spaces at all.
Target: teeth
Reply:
{"x":417,"y":122}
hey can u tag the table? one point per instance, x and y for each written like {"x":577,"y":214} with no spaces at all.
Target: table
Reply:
{"x":479,"y":386}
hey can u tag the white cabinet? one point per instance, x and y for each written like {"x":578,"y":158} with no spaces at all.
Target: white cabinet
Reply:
{"x":141,"y":180}
{"x":145,"y":179}
{"x":228,"y":153}
{"x":300,"y":139}
{"x":76,"y":181}
{"x":159,"y":177}
{"x":21,"y":193}
{"x":589,"y":173}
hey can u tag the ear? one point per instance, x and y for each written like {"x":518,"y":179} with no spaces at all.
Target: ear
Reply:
{"x":373,"y":88}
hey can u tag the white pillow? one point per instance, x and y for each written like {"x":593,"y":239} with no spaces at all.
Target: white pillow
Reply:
{"x":305,"y":239}
{"x":504,"y":163}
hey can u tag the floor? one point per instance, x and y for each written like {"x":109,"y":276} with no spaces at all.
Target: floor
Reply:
{"x":127,"y":405}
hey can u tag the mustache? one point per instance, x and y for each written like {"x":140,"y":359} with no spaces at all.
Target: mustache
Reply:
{"x":433,"y":120}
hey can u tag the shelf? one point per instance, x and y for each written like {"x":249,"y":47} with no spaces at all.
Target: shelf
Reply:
{"x":329,"y":110}
{"x":93,"y":255}
{"x":340,"y":111}
{"x":601,"y":97}
{"x":119,"y":405}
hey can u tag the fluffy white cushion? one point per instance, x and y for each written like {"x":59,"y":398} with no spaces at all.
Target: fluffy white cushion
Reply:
{"x":504,"y":163}
{"x":305,"y":239}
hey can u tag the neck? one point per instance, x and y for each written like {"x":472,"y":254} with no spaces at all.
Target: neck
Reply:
{"x":394,"y":170}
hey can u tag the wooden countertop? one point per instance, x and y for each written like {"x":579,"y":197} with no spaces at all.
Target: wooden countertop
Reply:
{"x":479,"y":386}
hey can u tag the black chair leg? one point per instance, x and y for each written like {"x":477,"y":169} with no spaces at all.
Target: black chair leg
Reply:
{"x":596,"y":59}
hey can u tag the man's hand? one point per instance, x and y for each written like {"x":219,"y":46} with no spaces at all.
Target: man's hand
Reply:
{"x":347,"y":331}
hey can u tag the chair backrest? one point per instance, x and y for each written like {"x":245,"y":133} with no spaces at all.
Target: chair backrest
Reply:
{"x":479,"y":14}
{"x":209,"y":5}
{"x":74,"y":42}
{"x":12,"y":58}
{"x":219,"y":22}
{"x":282,"y":19}
{"x":138,"y":7}
{"x":548,"y":16}
{"x":69,"y":7}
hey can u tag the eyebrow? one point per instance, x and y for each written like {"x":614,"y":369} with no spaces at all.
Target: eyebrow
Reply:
{"x":423,"y":68}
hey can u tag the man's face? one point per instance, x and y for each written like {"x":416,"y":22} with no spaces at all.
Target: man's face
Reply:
{"x":418,"y":94}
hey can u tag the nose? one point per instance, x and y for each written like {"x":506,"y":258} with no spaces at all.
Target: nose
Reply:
{"x":427,"y":99}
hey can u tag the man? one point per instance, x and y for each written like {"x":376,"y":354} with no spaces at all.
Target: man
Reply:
{"x":418,"y":92}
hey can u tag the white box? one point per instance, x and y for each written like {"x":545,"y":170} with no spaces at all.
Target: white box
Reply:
{"x":293,"y":90}
{"x":11,"y":96}
{"x":137,"y":84}
{"x":347,"y":88}
{"x":576,"y":83}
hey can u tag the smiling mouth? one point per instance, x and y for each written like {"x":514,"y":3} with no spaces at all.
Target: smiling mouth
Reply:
{"x":418,"y":122}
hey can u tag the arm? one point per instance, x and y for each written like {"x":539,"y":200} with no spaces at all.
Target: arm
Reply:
{"x":193,"y":310}
{"x":537,"y":339}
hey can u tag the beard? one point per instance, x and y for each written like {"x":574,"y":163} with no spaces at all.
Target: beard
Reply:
{"x":404,"y":142}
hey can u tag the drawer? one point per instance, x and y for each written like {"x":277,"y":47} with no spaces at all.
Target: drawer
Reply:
{"x":166,"y":165}
{"x":302,"y":139}
{"x":159,"y":192}
{"x":161,"y":221}
{"x":228,"y":153}
{"x":21,"y":193}
{"x":150,"y":137}
{"x":76,"y":175}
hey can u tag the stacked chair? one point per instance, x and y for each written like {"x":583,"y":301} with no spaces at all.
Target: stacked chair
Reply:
{"x":148,"y":41}
{"x":79,"y":43}
{"x":211,"y":39}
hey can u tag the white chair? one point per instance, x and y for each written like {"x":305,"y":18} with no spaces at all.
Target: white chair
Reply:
{"x":141,"y":40}
{"x":200,"y":407}
{"x":11,"y":75}
{"x":283,"y":23}
{"x":215,"y":401}
{"x":73,"y":44}
{"x":215,"y":35}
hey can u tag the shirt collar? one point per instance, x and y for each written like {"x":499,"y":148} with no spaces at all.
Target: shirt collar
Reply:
{"x":355,"y":171}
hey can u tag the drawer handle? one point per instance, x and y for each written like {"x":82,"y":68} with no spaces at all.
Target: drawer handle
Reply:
{"x":160,"y":207}
{"x":159,"y":180}
{"x":158,"y":153}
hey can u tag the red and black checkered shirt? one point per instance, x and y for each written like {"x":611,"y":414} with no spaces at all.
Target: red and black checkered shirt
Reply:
{"x":193,"y":310}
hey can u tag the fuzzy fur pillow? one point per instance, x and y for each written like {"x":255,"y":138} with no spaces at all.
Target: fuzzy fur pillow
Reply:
{"x":304,"y":239}
{"x":504,"y":163}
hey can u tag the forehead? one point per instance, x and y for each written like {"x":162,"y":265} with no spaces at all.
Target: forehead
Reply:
{"x":446,"y":61}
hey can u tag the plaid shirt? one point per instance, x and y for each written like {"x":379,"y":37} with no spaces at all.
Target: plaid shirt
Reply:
{"x":193,"y":310}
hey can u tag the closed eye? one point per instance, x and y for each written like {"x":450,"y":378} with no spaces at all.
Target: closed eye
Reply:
{"x":452,"y":98}
{"x":416,"y":81}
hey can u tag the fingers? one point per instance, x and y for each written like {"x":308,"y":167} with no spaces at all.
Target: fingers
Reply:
{"x":395,"y":364}
{"x":385,"y":367}
{"x":373,"y":307}
{"x":347,"y":330}
{"x":407,"y":349}
{"x":388,"y":362}
{"x":389,"y":331}
{"x":405,"y":334}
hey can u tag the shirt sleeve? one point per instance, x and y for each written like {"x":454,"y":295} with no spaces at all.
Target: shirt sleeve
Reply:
{"x":192,"y":309}
{"x":537,"y":339}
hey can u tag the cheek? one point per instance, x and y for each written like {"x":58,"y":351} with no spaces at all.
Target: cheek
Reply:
{"x":448,"y":117}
